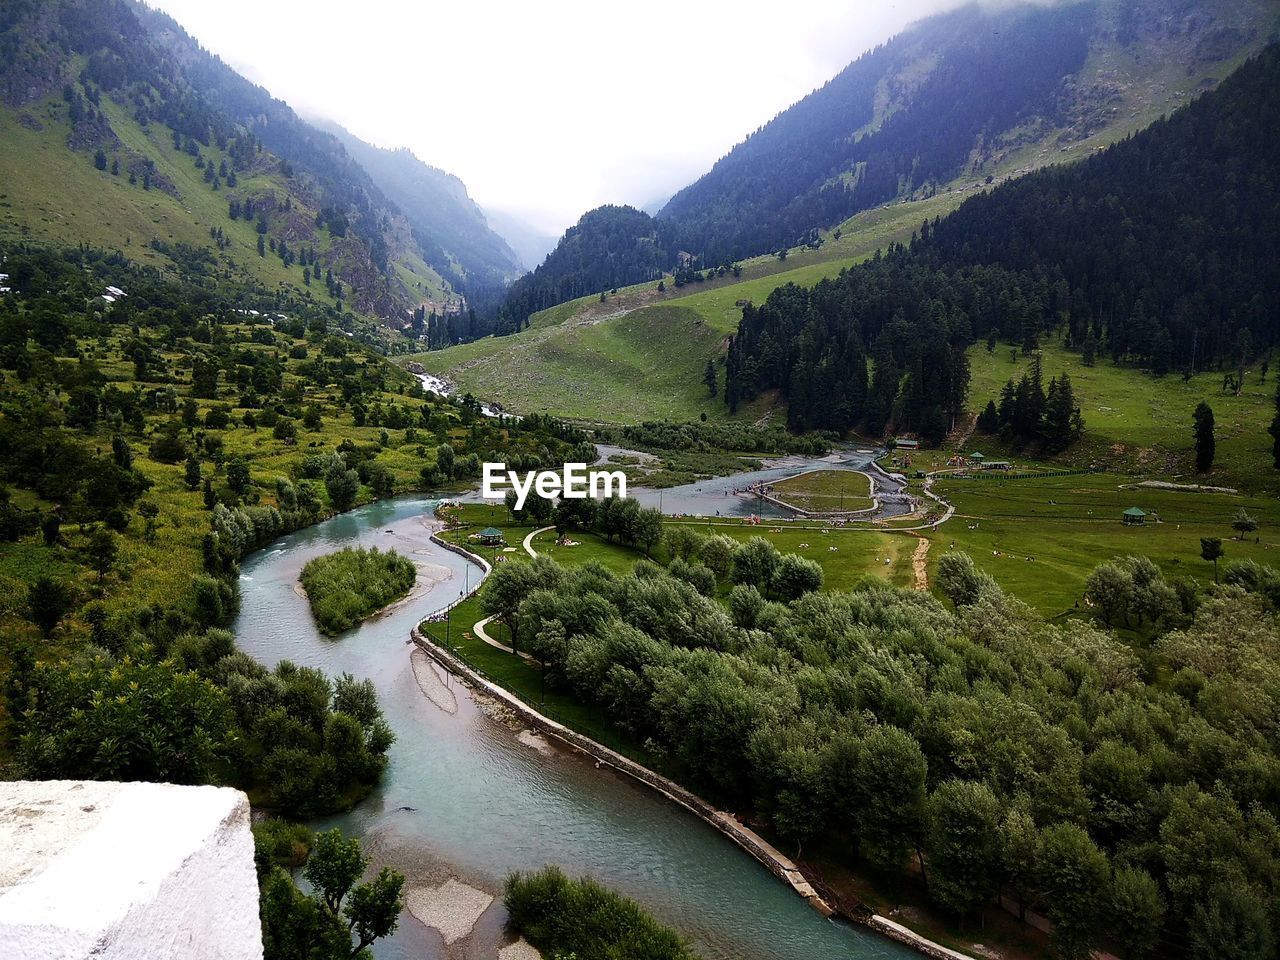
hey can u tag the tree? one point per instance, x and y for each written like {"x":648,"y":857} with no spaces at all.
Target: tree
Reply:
{"x":100,"y":159}
{"x":238,"y":475}
{"x":342,"y":483}
{"x":504,"y":591}
{"x":102,"y":551}
{"x":709,"y":377}
{"x":1243,"y":523}
{"x":445,"y":460}
{"x":754,"y":563}
{"x":963,"y":841}
{"x":48,"y":601}
{"x":1211,"y":550}
{"x":1203,"y":432}
{"x":1231,"y":925}
{"x":1137,"y":912}
{"x":191,"y":473}
{"x":795,"y":576}
{"x":646,"y":530}
{"x":888,"y":795}
{"x":340,"y":918}
{"x":961,"y":580}
{"x":1274,"y":429}
{"x":1073,"y":875}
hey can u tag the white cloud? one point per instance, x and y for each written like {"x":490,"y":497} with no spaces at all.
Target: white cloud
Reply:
{"x":546,"y":109}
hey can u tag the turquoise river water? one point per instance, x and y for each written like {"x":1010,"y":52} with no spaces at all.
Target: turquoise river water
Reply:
{"x":469,"y":798}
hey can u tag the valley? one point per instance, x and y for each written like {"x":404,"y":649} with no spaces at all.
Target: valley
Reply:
{"x":945,"y":592}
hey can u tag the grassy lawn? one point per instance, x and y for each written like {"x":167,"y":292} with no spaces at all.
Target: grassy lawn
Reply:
{"x":1142,"y":424}
{"x":825,"y":490}
{"x":1040,"y":538}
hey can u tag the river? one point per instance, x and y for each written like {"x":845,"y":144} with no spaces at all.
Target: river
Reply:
{"x":466,"y":797}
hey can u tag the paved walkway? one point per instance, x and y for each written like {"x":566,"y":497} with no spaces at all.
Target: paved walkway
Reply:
{"x":528,"y":541}
{"x":480,"y":625}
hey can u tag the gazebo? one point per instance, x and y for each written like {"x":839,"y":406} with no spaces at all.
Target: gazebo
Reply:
{"x":490,"y":536}
{"x":976,"y":457}
{"x":1134,"y":517}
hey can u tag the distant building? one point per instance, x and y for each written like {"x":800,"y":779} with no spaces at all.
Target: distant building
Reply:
{"x":1134,"y":517}
{"x":904,"y":444}
{"x":491,"y":537}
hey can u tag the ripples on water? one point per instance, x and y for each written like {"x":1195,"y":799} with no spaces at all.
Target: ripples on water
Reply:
{"x":483,"y":804}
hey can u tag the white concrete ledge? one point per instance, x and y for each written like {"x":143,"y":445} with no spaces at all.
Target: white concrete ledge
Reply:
{"x":126,"y":871}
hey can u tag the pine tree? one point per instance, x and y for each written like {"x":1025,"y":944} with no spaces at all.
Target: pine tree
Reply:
{"x":1090,"y":349}
{"x":1203,"y":429}
{"x":1274,"y":430}
{"x":709,"y":377}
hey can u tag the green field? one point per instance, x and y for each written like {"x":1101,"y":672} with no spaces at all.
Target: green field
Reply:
{"x":1040,"y":538}
{"x":1141,"y":424}
{"x":826,"y":491}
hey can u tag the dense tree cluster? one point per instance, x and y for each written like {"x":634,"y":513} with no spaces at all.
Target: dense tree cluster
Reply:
{"x":1155,"y":251}
{"x":1026,"y":413}
{"x":340,"y":914}
{"x":883,"y":344}
{"x":663,"y":435}
{"x":1125,"y":790}
{"x":1161,"y":246}
{"x":345,"y":587}
{"x":580,"y":918}
{"x":609,"y":247}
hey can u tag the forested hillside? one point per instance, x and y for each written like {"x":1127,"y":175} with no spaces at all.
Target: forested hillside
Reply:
{"x":609,"y":247}
{"x":975,"y":93}
{"x":449,"y":226}
{"x":121,"y":131}
{"x":1159,"y":251}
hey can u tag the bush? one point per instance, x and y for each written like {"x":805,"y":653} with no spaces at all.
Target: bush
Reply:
{"x":347,"y":586}
{"x":583,"y":918}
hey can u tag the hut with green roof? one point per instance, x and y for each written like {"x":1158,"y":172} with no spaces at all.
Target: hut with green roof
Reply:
{"x":1134,"y":517}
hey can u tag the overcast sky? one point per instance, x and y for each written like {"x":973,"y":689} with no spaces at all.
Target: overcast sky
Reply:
{"x":546,"y":109}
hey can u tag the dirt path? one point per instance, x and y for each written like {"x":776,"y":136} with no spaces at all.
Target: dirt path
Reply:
{"x":919,"y":563}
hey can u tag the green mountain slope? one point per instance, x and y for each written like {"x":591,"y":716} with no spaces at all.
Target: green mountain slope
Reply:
{"x":449,"y":225}
{"x":962,"y":96}
{"x":1139,"y":60}
{"x":120,"y":131}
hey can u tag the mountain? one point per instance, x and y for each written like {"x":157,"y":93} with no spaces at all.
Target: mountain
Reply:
{"x":451,"y":228}
{"x":956,"y":102}
{"x":973,"y":94}
{"x":1159,"y":252}
{"x":609,"y":247}
{"x":118,"y":130}
{"x":530,"y":244}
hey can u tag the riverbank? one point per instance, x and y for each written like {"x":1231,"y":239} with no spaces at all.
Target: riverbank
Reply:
{"x":806,"y":884}
{"x":801,"y":880}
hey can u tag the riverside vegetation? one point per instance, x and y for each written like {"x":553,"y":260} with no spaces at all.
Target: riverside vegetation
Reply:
{"x":344,"y":588}
{"x":1123,"y":783}
{"x":564,"y":917}
{"x":151,"y":443}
